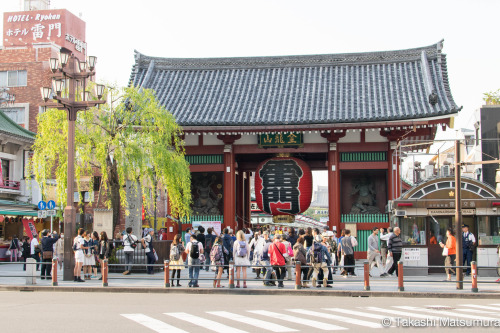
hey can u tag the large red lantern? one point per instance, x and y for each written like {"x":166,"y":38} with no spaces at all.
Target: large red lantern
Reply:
{"x":283,"y":186}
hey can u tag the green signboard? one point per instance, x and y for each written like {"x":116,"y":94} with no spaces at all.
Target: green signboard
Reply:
{"x":281,"y":140}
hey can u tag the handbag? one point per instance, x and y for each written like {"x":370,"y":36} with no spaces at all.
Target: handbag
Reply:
{"x":445,"y":251}
{"x":156,"y":256}
{"x":8,"y":253}
{"x":47,"y":255}
{"x":213,"y":268}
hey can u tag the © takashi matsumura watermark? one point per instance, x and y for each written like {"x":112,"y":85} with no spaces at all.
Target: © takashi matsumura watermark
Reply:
{"x":441,"y":322}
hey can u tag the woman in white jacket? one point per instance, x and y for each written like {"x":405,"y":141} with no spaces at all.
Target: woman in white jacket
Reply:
{"x":241,"y":255}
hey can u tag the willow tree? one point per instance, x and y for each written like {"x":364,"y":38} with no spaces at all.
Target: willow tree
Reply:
{"x":492,"y":97}
{"x":131,"y":138}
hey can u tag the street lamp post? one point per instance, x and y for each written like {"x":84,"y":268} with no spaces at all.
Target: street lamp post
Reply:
{"x":70,"y":76}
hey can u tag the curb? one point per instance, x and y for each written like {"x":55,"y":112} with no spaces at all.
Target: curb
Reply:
{"x":250,"y":292}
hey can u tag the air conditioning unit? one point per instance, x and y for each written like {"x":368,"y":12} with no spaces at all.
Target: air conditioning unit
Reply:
{"x":429,"y":171}
{"x":445,"y":170}
{"x":401,"y":213}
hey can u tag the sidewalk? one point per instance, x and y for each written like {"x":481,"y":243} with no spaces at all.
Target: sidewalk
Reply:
{"x":12,"y":278}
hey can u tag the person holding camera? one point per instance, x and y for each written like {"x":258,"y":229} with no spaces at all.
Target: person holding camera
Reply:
{"x":129,"y":245}
{"x":47,"y":253}
{"x":147,"y":243}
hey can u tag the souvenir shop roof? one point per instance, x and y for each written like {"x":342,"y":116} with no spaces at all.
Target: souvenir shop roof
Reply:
{"x":296,"y":90}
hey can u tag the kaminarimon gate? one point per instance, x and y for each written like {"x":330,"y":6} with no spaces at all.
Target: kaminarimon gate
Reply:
{"x":343,"y":113}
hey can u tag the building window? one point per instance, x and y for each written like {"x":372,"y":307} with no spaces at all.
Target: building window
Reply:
{"x":488,"y":230}
{"x":5,"y":169}
{"x":16,"y":114}
{"x":413,"y":230}
{"x":13,"y":78}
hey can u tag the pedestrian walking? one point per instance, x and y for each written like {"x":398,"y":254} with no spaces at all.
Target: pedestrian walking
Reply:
{"x":241,"y":255}
{"x":388,"y":264}
{"x":47,"y":253}
{"x":316,"y":258}
{"x":277,"y":253}
{"x":265,"y":260}
{"x":383,"y":247}
{"x":176,"y":262}
{"x":26,"y":250}
{"x":147,"y":244}
{"x":373,"y":252}
{"x":193,"y":250}
{"x":200,"y":237}
{"x":35,"y":250}
{"x":292,"y":237}
{"x":78,"y":247}
{"x":60,"y":250}
{"x":105,"y":248}
{"x":395,"y":247}
{"x":129,"y":246}
{"x":14,"y":248}
{"x":468,"y":243}
{"x":450,"y":253}
{"x":308,"y":237}
{"x":328,"y":260}
{"x":209,"y":242}
{"x":299,"y":254}
{"x":288,"y":258}
{"x":217,"y":260}
{"x":348,"y":243}
{"x":227,"y":242}
{"x":340,"y":254}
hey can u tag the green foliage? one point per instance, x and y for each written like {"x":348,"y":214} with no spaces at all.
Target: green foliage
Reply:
{"x":134,"y":139}
{"x":492,"y":97}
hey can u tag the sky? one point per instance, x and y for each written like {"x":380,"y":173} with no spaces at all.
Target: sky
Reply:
{"x":233,"y":28}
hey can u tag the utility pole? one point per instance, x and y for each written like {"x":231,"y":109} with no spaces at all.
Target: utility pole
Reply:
{"x":458,"y":215}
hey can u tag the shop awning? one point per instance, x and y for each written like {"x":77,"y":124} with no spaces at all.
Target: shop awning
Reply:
{"x":19,"y":212}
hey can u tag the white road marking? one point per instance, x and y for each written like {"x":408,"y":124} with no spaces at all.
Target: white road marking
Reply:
{"x":401,"y":313}
{"x":335,"y":317}
{"x":478,"y":311}
{"x":151,"y":323}
{"x":446,"y":313}
{"x":205,"y":323}
{"x":252,"y":321}
{"x":293,"y":319}
{"x":481,"y":307}
{"x":357,"y":313}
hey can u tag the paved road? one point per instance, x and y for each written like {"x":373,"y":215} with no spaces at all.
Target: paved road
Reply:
{"x":103,"y":312}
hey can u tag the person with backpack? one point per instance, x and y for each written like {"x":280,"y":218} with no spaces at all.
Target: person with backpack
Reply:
{"x":194,"y":250}
{"x":316,"y":258}
{"x":217,"y":260}
{"x":14,"y":249}
{"x":277,"y":253}
{"x":227,"y":242}
{"x":129,"y":246}
{"x":176,"y":262}
{"x":208,"y":242}
{"x":299,"y":254}
{"x":241,"y":255}
{"x":348,"y":243}
{"x":147,"y":244}
{"x":200,"y":237}
{"x":288,"y":257}
{"x":328,"y":260}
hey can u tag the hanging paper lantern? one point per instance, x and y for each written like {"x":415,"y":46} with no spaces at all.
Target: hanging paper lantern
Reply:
{"x":283,"y":186}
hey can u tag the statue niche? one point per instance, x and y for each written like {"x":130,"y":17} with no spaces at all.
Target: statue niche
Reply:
{"x":366,"y":200}
{"x":205,"y":200}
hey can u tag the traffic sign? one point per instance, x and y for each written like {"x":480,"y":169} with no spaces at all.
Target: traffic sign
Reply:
{"x":51,"y":212}
{"x":42,"y":214}
{"x":51,"y":204}
{"x":42,"y":205}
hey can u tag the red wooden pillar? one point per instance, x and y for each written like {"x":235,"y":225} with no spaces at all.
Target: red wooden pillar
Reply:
{"x":334,"y":211}
{"x":390,"y":172}
{"x":229,"y":187}
{"x":240,"y":191}
{"x":247,"y":200}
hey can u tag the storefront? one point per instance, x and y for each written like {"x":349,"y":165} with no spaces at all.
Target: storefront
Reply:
{"x":425,"y":212}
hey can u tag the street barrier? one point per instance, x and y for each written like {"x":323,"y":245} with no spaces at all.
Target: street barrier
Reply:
{"x":298,"y":273}
{"x":166,"y":275}
{"x":474,"y":276}
{"x":104,"y":272}
{"x":366,"y":266}
{"x":54,"y":272}
{"x":401,"y":286}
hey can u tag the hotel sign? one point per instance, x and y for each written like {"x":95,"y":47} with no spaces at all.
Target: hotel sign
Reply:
{"x":448,"y":212}
{"x":281,"y":140}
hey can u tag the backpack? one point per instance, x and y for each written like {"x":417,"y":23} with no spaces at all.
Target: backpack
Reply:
{"x":132,"y":242}
{"x":215,"y":253}
{"x":316,"y":253}
{"x":242,"y":249}
{"x":209,"y":240}
{"x":174,"y":253}
{"x":194,"y":253}
{"x":347,"y":245}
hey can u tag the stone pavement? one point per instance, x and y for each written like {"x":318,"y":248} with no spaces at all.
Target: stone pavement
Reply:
{"x":12,"y":276}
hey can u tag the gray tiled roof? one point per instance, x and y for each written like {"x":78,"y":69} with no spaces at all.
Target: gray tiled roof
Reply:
{"x":307,"y":89}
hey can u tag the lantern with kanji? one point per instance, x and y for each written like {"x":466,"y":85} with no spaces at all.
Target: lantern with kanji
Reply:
{"x":283,"y":186}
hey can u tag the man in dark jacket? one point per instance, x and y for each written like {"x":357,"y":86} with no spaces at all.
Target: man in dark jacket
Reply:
{"x":200,"y":237}
{"x":227,"y":242}
{"x":395,"y":248}
{"x":47,"y":253}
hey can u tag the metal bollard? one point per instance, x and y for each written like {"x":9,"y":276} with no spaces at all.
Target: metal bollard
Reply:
{"x":297,"y":275}
{"x":54,"y":272}
{"x":400,"y":276}
{"x":166,"y":273}
{"x":367,"y":275}
{"x":105,"y":273}
{"x":231,"y":274}
{"x":473,"y":268}
{"x":30,"y":271}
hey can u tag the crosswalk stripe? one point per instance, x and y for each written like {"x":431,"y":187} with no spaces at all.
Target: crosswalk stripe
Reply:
{"x":252,"y":321}
{"x":481,"y":307}
{"x":334,"y":317}
{"x":151,"y":323}
{"x":446,"y":313}
{"x":469,"y":310}
{"x":205,"y":323}
{"x":401,"y":313}
{"x":478,"y":311}
{"x":306,"y":322}
{"x":356,"y":313}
